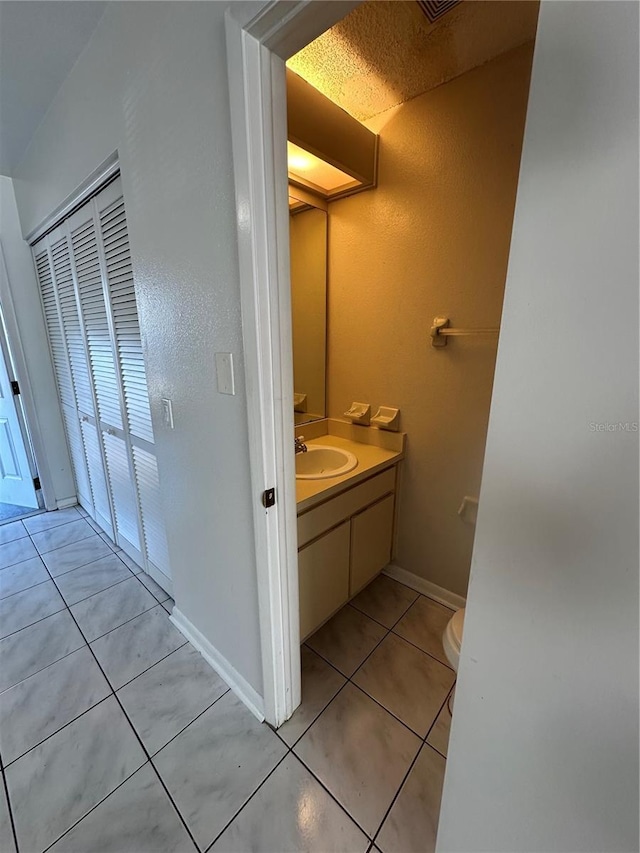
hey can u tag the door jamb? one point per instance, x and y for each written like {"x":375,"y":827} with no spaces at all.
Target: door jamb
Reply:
{"x":34,"y":444}
{"x":260,"y":37}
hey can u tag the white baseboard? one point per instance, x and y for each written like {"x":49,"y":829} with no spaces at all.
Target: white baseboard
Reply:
{"x":431,"y":590}
{"x":67,"y":502}
{"x":243,"y":690}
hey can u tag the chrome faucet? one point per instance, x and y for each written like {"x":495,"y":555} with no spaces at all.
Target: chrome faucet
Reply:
{"x":299,"y":444}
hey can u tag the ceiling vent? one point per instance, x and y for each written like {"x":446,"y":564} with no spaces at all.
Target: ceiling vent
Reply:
{"x":435,"y":9}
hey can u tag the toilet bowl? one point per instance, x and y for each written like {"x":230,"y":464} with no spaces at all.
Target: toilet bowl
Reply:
{"x":452,"y":638}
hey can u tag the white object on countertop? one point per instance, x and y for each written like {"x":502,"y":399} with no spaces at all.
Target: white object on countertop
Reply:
{"x":387,"y":418}
{"x":359,"y":413}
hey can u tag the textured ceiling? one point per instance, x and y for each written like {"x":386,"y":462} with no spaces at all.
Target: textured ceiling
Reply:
{"x":386,"y":52}
{"x":39,"y":44}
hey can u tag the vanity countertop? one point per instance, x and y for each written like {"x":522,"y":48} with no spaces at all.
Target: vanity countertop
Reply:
{"x":371,"y":460}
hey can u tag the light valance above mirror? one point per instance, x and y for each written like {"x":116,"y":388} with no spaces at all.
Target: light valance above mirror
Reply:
{"x":329,"y":151}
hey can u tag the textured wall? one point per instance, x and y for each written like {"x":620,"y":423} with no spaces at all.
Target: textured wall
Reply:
{"x":152,"y":84}
{"x":544,"y":745}
{"x":431,"y":239}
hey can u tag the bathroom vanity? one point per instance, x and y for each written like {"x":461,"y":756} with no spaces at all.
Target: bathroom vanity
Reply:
{"x":345,"y":523}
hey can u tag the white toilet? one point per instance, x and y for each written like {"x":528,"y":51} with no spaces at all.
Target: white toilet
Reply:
{"x":451,"y":642}
{"x":452,"y":638}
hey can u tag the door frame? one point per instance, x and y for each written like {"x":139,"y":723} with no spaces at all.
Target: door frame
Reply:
{"x":261,"y":36}
{"x":26,"y":408}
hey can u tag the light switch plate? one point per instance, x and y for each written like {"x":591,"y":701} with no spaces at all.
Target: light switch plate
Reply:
{"x":167,"y":413}
{"x":224,"y":372}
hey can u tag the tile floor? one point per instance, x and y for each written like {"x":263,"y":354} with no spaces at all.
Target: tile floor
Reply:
{"x":115,"y":735}
{"x":8,"y":511}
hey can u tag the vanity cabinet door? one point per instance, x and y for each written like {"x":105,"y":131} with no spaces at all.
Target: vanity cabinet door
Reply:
{"x":323,"y":577}
{"x":371,"y":535}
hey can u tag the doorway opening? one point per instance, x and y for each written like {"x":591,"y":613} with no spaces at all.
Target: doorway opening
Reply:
{"x":20,"y":490}
{"x":258,"y":49}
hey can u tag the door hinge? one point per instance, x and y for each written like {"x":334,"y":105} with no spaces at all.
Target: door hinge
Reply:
{"x":269,"y":498}
{"x":36,"y":483}
{"x":15,"y":388}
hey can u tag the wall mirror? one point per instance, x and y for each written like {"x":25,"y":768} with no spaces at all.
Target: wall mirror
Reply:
{"x":308,"y":252}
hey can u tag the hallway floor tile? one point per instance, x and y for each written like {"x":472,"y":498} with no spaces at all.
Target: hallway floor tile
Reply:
{"x":116,"y":736}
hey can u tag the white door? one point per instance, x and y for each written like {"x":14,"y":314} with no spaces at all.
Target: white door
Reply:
{"x":16,"y":480}
{"x":88,"y":296}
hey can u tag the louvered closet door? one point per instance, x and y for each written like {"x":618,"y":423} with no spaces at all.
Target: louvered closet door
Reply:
{"x":107,"y":429}
{"x":126,"y":332}
{"x":63,"y":274}
{"x":62,"y":373}
{"x":92,"y":319}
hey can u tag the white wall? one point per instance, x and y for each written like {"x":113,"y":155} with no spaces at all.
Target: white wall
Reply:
{"x":47,"y":432}
{"x":544,"y":746}
{"x":152,"y":84}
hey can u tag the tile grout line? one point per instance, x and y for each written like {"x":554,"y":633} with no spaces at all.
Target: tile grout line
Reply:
{"x":197,"y":717}
{"x":12,"y":565}
{"x":39,"y":556}
{"x":289,"y":749}
{"x":43,"y":667}
{"x":446,"y":699}
{"x":67,"y":607}
{"x":391,"y":631}
{"x":349,"y":680}
{"x":121,"y":706}
{"x":423,"y":740}
{"x":164,"y":657}
{"x":51,"y":550}
{"x":334,"y":798}
{"x":93,"y":808}
{"x":245,"y":804}
{"x":35,"y":622}
{"x":52,"y":526}
{"x":106,"y":633}
{"x":151,"y":757}
{"x":117,"y":698}
{"x":21,"y":520}
{"x":9,"y":809}
{"x":437,"y":660}
{"x":68,"y":723}
{"x":86,"y":598}
{"x":361,"y":689}
{"x":315,"y":720}
{"x":397,"y":793}
{"x":51,"y":579}
{"x":132,"y":727}
{"x":112,"y":692}
{"x":82,"y":565}
{"x":315,"y":776}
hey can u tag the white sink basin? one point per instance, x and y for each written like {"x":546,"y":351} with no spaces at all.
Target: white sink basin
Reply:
{"x":320,"y":462}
